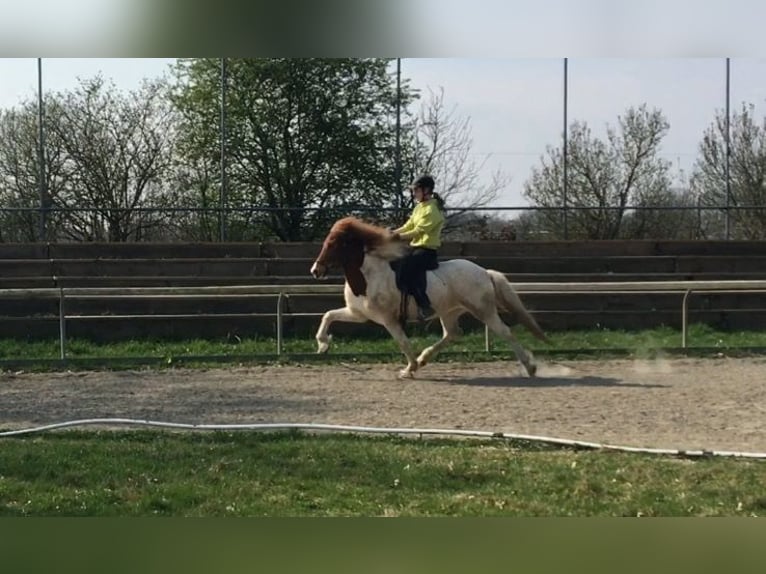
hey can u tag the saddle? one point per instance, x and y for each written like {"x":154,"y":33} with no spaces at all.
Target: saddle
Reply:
{"x":404,"y":295}
{"x":407,"y":282}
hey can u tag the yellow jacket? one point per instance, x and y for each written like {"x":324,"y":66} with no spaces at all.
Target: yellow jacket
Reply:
{"x":424,"y":226}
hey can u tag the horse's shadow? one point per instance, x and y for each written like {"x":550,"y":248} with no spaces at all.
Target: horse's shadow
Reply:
{"x":545,"y":382}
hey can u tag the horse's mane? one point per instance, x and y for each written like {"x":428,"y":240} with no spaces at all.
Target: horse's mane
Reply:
{"x":371,"y":235}
{"x":360,"y":238}
{"x":376,"y":240}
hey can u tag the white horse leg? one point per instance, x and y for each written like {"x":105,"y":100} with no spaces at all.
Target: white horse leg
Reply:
{"x":496,"y":325}
{"x":450,"y":332}
{"x":396,"y":331}
{"x":344,"y":314}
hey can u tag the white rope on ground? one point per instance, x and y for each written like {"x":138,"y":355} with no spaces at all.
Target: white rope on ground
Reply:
{"x":384,"y":430}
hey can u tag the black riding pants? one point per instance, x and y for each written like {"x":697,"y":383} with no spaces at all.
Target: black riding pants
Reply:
{"x":412,"y":273}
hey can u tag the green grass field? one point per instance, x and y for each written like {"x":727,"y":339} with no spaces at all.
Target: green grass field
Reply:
{"x":149,"y":473}
{"x":45,"y":354}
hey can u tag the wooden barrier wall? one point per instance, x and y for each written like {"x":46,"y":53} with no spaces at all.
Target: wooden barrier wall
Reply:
{"x":145,"y":264}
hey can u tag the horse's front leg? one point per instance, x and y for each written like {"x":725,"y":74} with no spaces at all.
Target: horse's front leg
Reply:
{"x":396,"y":331}
{"x":345,"y":314}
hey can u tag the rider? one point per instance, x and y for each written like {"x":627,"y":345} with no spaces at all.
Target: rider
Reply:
{"x":423,"y":228}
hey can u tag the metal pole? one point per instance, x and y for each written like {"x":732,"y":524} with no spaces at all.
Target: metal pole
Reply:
{"x":223,"y":194}
{"x":280,"y":297}
{"x":685,"y":318}
{"x":398,"y":149}
{"x":62,"y":325}
{"x":565,"y":153}
{"x":728,"y":146}
{"x":41,"y":153}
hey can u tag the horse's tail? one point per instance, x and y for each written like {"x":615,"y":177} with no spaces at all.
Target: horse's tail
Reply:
{"x":508,"y":300}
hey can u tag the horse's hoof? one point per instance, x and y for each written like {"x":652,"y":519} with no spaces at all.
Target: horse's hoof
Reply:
{"x":531,"y":370}
{"x":405,"y":374}
{"x":323,"y":346}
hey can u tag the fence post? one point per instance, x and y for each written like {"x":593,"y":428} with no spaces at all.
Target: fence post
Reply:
{"x":223,"y":195}
{"x":42,"y":184}
{"x":279,"y":322}
{"x":564,"y":153}
{"x":684,"y":317}
{"x":727,"y":223}
{"x":62,"y":325}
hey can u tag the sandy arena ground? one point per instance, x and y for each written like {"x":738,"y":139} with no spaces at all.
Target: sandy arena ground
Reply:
{"x":717,"y":404}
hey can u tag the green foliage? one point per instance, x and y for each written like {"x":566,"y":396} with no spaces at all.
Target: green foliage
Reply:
{"x":312,"y":136}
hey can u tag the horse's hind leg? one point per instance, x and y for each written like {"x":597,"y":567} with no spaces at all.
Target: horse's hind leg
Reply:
{"x":450,"y":331}
{"x":496,"y":325}
{"x":344,"y":314}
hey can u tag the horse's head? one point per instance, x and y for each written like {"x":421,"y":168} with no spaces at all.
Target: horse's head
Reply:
{"x":339,"y":248}
{"x":345,"y":246}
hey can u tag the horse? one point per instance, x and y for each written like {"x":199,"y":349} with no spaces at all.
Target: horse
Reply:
{"x":365,"y":251}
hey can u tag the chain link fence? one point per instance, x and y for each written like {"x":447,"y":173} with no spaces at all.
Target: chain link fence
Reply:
{"x":522,"y":114}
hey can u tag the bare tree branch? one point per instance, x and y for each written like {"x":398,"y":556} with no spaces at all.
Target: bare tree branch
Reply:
{"x":120,"y":149}
{"x":607,"y":177}
{"x":443,"y":147}
{"x":747,"y":169}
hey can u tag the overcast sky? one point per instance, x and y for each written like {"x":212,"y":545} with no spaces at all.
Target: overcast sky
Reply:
{"x":515,"y":105}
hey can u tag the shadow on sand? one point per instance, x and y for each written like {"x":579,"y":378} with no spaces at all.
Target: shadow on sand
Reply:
{"x":544,"y":382}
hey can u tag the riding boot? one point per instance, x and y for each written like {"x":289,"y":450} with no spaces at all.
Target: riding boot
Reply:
{"x":425,"y":311}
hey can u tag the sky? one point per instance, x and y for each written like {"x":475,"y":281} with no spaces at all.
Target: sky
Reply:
{"x":515,"y":105}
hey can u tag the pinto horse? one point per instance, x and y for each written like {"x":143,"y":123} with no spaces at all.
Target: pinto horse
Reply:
{"x":456,"y":287}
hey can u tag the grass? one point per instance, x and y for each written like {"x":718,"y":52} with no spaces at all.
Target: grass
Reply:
{"x":470,"y":347}
{"x":149,"y":473}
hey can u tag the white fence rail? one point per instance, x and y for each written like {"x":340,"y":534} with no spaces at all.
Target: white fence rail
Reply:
{"x":280,"y":292}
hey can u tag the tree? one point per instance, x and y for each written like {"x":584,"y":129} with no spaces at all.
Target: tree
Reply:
{"x":308,"y":139}
{"x":747,"y":171}
{"x":442,"y":146}
{"x":195,"y":184}
{"x":669,"y":214}
{"x":118,"y":149}
{"x":606,"y":177}
{"x":20,"y":174}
